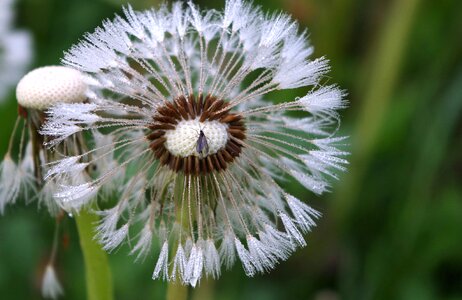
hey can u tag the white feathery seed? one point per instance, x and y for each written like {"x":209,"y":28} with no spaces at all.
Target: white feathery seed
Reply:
{"x":112,"y":241}
{"x":227,"y":250}
{"x":67,"y":165}
{"x":316,"y":185}
{"x":212,"y":259}
{"x":161,"y":269}
{"x":10,"y":182}
{"x":245,"y":257}
{"x":304,"y":214}
{"x":51,"y":287}
{"x":292,"y":230}
{"x":326,"y":99}
{"x":261,"y":255}
{"x":281,"y":242}
{"x":143,"y":246}
{"x":74,"y":197}
{"x":179,"y":264}
{"x":194,"y":265}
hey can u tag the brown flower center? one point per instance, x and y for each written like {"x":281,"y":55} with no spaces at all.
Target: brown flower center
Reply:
{"x":204,"y":111}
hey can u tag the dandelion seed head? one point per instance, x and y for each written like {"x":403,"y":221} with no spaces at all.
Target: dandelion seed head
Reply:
{"x":48,"y":86}
{"x":194,"y":147}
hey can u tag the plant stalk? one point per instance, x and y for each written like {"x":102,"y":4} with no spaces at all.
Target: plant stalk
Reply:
{"x":97,"y":272}
{"x":176,"y":291}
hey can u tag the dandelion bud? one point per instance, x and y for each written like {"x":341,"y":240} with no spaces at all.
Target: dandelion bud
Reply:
{"x":47,"y":86}
{"x":47,"y":89}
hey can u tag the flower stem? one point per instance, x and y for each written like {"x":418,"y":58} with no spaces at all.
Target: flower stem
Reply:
{"x":205,"y":291}
{"x":176,"y":291}
{"x":97,"y":271}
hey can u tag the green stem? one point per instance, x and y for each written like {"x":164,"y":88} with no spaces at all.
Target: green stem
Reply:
{"x":97,"y":272}
{"x":205,"y":291}
{"x":176,"y":291}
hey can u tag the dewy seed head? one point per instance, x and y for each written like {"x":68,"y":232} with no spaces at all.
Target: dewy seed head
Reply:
{"x":196,"y":135}
{"x":47,"y":86}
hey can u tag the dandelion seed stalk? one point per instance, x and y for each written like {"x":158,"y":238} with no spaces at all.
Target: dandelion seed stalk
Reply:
{"x":98,"y":276}
{"x":176,"y":291}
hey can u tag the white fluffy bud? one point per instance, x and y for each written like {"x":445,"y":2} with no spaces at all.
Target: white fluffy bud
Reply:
{"x":47,"y":86}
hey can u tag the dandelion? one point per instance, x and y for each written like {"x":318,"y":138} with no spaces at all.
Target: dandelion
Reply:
{"x":199,"y":141}
{"x":25,"y":173}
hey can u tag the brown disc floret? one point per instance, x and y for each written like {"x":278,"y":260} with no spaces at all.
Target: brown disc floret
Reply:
{"x":207,"y":108}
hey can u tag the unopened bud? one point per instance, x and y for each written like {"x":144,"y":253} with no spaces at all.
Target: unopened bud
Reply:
{"x":47,"y":86}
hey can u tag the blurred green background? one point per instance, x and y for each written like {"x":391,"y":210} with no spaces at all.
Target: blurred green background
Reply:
{"x":392,"y":226}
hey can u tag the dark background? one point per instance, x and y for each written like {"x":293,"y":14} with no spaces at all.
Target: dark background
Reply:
{"x":392,"y":226}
